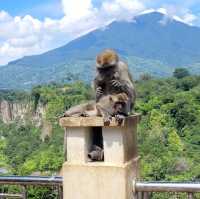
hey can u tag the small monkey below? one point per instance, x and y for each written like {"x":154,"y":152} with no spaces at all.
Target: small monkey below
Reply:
{"x":96,"y":154}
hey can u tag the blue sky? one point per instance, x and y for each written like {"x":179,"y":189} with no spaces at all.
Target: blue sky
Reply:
{"x":30,"y":27}
{"x":36,"y":8}
{"x":53,"y":8}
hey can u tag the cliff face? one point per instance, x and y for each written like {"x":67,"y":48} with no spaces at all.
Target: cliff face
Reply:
{"x":16,"y":111}
{"x":5,"y":111}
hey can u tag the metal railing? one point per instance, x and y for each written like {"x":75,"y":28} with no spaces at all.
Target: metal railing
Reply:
{"x":145,"y":190}
{"x":142,"y":190}
{"x":25,"y":182}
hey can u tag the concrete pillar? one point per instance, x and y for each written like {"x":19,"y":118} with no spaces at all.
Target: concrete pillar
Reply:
{"x":109,"y":179}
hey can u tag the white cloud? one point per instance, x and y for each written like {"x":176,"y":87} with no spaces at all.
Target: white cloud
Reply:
{"x":122,"y":9}
{"x":171,"y":13}
{"x":76,"y":9}
{"x":4,"y":16}
{"x":21,"y":36}
{"x":189,"y":18}
{"x":179,"y":12}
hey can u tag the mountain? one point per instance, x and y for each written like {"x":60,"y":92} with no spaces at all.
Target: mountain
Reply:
{"x":150,"y":43}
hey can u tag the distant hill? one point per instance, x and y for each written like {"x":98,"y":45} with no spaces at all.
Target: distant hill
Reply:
{"x":149,"y":43}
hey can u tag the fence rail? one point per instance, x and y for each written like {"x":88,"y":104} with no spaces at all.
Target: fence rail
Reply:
{"x":31,"y":180}
{"x":26,"y":181}
{"x":144,"y":190}
{"x":7,"y":195}
{"x":167,"y":187}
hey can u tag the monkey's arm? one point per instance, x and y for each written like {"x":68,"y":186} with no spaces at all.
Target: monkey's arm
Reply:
{"x":122,"y":85}
{"x":97,"y":86}
{"x":98,"y":90}
{"x":107,"y":117}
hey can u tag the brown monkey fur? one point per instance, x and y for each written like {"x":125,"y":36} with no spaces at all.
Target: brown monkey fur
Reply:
{"x":113,"y":77}
{"x":107,"y":107}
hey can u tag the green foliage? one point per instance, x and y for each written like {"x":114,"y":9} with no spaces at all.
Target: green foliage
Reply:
{"x":187,"y":83}
{"x":11,"y":95}
{"x":180,"y":73}
{"x":169,"y":138}
{"x":168,"y":135}
{"x":20,"y":144}
{"x":57,"y":97}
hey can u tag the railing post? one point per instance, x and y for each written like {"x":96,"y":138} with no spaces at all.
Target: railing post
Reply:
{"x":190,"y":195}
{"x":139,"y":195}
{"x":60,"y":192}
{"x":24,"y":192}
{"x":146,"y":195}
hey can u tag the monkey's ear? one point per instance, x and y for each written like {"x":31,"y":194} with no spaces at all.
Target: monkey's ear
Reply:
{"x":98,"y":63}
{"x":98,"y":59}
{"x":116,"y":57}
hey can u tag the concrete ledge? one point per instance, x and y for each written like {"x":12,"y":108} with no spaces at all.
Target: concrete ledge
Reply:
{"x":103,"y":164}
{"x":94,"y":121}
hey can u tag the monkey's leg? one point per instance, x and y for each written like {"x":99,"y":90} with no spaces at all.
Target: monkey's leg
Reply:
{"x":90,"y":113}
{"x":76,"y":111}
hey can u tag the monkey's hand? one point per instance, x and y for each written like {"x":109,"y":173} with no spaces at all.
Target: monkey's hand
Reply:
{"x":116,"y":83}
{"x":99,"y":93}
{"x":119,"y":118}
{"x":107,"y":120}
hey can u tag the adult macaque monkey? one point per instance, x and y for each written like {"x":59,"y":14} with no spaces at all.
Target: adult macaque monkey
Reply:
{"x":107,"y":107}
{"x":113,"y":77}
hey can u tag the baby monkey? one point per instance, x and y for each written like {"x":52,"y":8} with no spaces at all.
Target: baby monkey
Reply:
{"x":107,"y":107}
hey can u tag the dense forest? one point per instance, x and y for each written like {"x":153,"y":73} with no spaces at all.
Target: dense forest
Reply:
{"x":168,"y":135}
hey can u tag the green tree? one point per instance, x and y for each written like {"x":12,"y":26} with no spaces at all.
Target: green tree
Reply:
{"x":180,"y":73}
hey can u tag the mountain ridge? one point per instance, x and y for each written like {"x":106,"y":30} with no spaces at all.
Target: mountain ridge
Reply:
{"x":149,"y":43}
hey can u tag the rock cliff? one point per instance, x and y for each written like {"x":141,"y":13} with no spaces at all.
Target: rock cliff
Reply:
{"x":23,"y":112}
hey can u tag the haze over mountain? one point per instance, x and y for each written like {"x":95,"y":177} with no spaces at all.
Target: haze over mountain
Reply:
{"x":152,"y":43}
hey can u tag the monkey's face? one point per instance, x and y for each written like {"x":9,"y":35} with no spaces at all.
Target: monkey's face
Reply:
{"x":106,"y":72}
{"x":118,"y":107}
{"x":119,"y":102}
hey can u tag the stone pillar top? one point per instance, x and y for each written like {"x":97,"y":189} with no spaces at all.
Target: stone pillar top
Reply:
{"x":95,"y":121}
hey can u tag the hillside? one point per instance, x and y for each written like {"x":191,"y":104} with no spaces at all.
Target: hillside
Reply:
{"x":146,"y":43}
{"x":168,"y":134}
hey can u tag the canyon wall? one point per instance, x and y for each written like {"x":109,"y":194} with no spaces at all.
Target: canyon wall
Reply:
{"x":22,"y":112}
